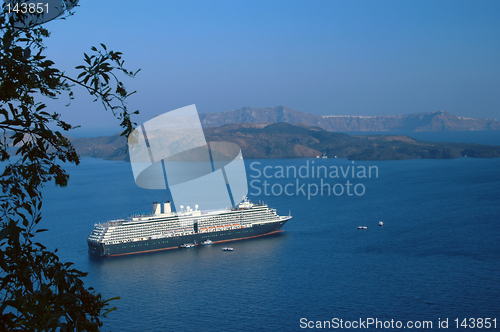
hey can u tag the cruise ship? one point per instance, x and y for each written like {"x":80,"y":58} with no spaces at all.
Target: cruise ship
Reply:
{"x":164,"y":229}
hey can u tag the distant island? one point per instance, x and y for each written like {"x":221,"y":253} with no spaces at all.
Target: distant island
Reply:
{"x":285,"y":140}
{"x":431,"y":121}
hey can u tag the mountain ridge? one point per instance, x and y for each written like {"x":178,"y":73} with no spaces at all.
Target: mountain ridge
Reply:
{"x":427,"y":121}
{"x":284,"y":140}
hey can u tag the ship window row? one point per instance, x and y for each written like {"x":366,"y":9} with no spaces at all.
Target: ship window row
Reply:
{"x":157,"y":229}
{"x":239,"y":217}
{"x":115,"y":239}
{"x":166,"y":225}
{"x":145,"y":229}
{"x":137,"y":231}
{"x":143,"y":235}
{"x":245,"y":219}
{"x":173,"y":227}
{"x":148,"y":231}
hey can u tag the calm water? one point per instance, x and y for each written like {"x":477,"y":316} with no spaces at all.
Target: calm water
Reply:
{"x":436,"y":257}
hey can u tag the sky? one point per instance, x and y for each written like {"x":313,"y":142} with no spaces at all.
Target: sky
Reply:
{"x":319,"y":57}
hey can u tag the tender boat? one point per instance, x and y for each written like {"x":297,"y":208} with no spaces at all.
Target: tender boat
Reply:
{"x":227,"y":249}
{"x":362,"y":227}
{"x":207,"y":242}
{"x":380,"y":223}
{"x":187,"y":245}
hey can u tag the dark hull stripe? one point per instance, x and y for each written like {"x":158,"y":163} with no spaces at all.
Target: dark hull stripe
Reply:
{"x":198,"y":244}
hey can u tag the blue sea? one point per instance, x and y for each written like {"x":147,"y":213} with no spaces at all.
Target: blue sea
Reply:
{"x":436,"y":258}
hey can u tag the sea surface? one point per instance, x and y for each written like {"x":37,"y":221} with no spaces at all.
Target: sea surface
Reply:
{"x":436,"y":257}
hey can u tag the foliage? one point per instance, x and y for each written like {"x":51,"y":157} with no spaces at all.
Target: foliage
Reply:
{"x":37,"y":290}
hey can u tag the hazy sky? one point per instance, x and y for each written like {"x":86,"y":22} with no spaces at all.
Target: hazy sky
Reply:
{"x":322,"y":57}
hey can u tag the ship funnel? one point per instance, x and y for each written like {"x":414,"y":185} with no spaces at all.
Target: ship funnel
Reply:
{"x":166,"y":208}
{"x":156,"y":208}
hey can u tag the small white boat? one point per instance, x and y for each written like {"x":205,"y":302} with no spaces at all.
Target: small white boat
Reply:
{"x":227,"y":249}
{"x":362,"y":227}
{"x":207,"y":242}
{"x":187,"y":245}
{"x":380,"y":223}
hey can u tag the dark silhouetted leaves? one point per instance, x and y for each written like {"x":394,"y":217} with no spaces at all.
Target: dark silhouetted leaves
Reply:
{"x":39,"y":292}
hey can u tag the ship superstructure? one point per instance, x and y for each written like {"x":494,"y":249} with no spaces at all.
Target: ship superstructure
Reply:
{"x":164,"y":229}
